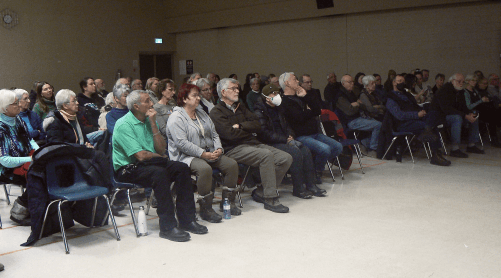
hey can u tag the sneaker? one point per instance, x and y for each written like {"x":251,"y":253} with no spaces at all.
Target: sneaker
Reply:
{"x":274,"y":205}
{"x":458,"y":153}
{"x":474,"y":149}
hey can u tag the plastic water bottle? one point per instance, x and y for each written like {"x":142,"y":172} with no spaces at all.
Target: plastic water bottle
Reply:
{"x":226,"y":209}
{"x":141,"y":219}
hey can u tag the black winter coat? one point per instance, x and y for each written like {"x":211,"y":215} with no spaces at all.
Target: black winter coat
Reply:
{"x":62,"y":131}
{"x":303,"y":121}
{"x":269,"y":135}
{"x":93,"y":164}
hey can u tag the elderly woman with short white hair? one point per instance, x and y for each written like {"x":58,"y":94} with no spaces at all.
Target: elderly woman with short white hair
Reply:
{"x":16,"y":147}
{"x":206,"y":97}
{"x":374,"y":105}
{"x":62,"y":125}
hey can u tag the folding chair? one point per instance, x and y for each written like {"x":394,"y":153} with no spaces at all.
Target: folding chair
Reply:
{"x":65,"y":183}
{"x":396,"y":135}
{"x":21,"y":182}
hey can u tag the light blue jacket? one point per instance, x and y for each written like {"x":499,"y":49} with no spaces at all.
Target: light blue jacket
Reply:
{"x":184,"y":138}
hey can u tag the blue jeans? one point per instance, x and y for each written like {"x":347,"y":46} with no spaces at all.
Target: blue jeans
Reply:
{"x":93,"y":137}
{"x":456,"y":122}
{"x":301,"y":169}
{"x":323,"y":147}
{"x":367,"y":125}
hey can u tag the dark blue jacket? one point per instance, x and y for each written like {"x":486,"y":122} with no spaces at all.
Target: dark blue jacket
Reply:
{"x":38,"y":132}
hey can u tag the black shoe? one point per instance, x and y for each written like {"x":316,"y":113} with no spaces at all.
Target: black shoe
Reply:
{"x":318,"y":177}
{"x":256,"y":197}
{"x":194,"y":227}
{"x":115,"y":209}
{"x":474,"y":149}
{"x":175,"y":234}
{"x":398,"y":154}
{"x":458,"y":153}
{"x":306,"y":194}
{"x":274,"y":205}
{"x":438,"y":159}
{"x":316,"y":191}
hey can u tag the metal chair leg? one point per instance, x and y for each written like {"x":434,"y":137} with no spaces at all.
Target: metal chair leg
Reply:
{"x":481,"y":141}
{"x":409,"y":146}
{"x":442,"y":141}
{"x":488,"y":132}
{"x":62,"y":226}
{"x":426,"y":149}
{"x":388,"y":149}
{"x":132,"y":214}
{"x":45,"y":217}
{"x":112,"y":217}
{"x":93,"y":213}
{"x":330,"y":169}
{"x":359,"y":155}
{"x":242,"y":186}
{"x":6,"y":193}
{"x":149,"y":203}
{"x":340,"y":169}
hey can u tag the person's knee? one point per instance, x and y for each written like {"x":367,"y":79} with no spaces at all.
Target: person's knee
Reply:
{"x":454,"y":119}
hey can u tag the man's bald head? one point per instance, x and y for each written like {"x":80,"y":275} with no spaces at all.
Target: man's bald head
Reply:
{"x":347,"y":82}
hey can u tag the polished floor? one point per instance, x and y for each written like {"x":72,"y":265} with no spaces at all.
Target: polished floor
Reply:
{"x":397,"y":220}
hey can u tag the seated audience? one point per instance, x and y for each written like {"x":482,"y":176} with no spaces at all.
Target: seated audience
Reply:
{"x":411,"y":85}
{"x":110,"y":104}
{"x":151,"y":88}
{"x":45,"y":100}
{"x":446,"y":107}
{"x":16,"y":147}
{"x":207,"y":98}
{"x":276,"y":132}
{"x":254,"y":93}
{"x":193,"y":140}
{"x":388,"y":84}
{"x":482,"y":106}
{"x":236,"y":127}
{"x":120,"y":94}
{"x":493,"y":89}
{"x":33,"y":94}
{"x":101,"y":88}
{"x":379,"y":84}
{"x":408,"y":116}
{"x":30,"y":118}
{"x":194,"y":78}
{"x":479,"y":74}
{"x":301,"y":111}
{"x":90,"y":110}
{"x":353,"y":113}
{"x":330,"y":91}
{"x":358,"y":87}
{"x":306,"y":82}
{"x":139,"y":157}
{"x":439,"y":82}
{"x":136,"y":84}
{"x":62,"y":124}
{"x":374,"y":105}
{"x":164,"y":109}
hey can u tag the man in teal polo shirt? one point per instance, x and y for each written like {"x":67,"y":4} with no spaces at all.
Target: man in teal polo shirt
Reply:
{"x":139,"y":157}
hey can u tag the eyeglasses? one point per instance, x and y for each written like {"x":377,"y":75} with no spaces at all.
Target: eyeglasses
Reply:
{"x":234,"y":89}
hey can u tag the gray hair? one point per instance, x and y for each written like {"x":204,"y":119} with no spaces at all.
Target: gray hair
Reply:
{"x":134,"y":82}
{"x":194,"y":75}
{"x":109,"y":99}
{"x":20,"y":93}
{"x":119,"y":90}
{"x":223,"y":85}
{"x":368,"y":79}
{"x":209,"y":74}
{"x":134,"y":98}
{"x":202,"y":81}
{"x":284,"y":77}
{"x":7,"y":97}
{"x":64,"y":97}
{"x":149,"y":82}
{"x":343,"y":79}
{"x":453,"y":77}
{"x":119,"y":82}
{"x":254,"y":79}
{"x":469,"y":77}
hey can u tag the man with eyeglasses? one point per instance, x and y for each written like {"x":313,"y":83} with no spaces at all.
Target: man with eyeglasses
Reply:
{"x":306,"y":82}
{"x":446,"y":107}
{"x":237,"y":128}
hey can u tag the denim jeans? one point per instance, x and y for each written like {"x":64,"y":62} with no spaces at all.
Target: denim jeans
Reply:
{"x":456,"y":122}
{"x":323,"y":147}
{"x":301,"y":170}
{"x":367,"y":125}
{"x":93,"y":137}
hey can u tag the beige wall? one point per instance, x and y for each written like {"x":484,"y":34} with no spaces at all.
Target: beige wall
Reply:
{"x":63,"y":41}
{"x":442,"y":39}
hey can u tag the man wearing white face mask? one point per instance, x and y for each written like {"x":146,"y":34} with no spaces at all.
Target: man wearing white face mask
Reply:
{"x":301,"y":111}
{"x":275,"y":131}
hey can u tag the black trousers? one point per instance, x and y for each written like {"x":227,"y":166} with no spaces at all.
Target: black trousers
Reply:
{"x":159,"y":176}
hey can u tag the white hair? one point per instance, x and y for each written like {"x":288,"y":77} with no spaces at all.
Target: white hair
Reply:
{"x":368,"y":79}
{"x":109,"y":99}
{"x":223,"y":85}
{"x":63,"y":97}
{"x":283,"y":78}
{"x":254,"y":79}
{"x":7,"y":97}
{"x":134,"y":98}
{"x":120,"y":89}
{"x":20,"y":93}
{"x":453,"y":77}
{"x":195,"y":75}
{"x":201,"y":82}
{"x":209,"y":74}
